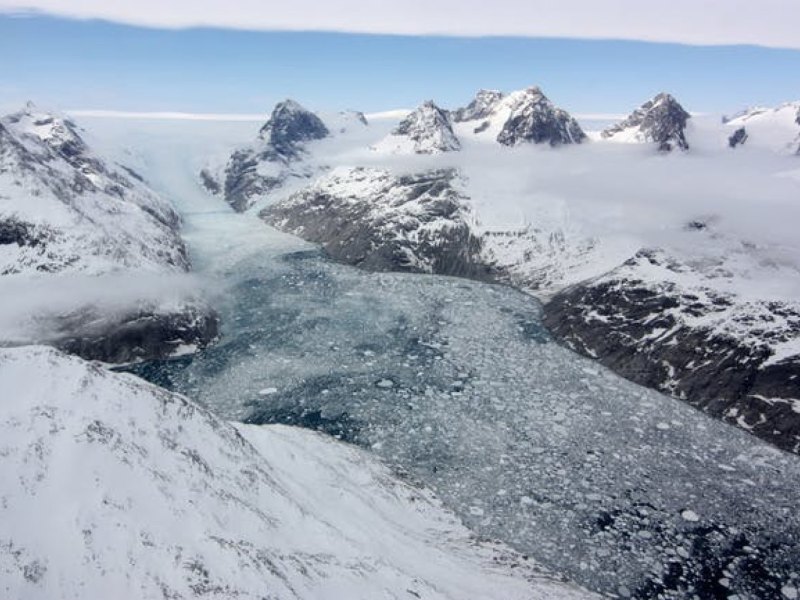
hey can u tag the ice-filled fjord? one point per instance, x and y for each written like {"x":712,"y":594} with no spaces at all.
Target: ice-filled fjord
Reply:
{"x":115,"y":488}
{"x":458,"y":385}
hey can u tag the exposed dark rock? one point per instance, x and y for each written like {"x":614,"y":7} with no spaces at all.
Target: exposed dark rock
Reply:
{"x":281,"y":143}
{"x":208,"y":181}
{"x":291,"y":125}
{"x":13,"y":231}
{"x":635,"y":328}
{"x":661,"y":120}
{"x":145,"y":335}
{"x":414,"y":223}
{"x":535,"y":119}
{"x":243,"y":183}
{"x":430,"y":129}
{"x":481,"y":107}
{"x":738,"y":137}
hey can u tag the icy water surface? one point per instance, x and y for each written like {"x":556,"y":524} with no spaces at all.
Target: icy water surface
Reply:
{"x":457,"y":384}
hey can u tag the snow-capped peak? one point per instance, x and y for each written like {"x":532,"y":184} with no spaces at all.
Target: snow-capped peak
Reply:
{"x":532,"y":117}
{"x":427,"y":130}
{"x":291,"y":124}
{"x":661,"y":120}
{"x":481,"y":107}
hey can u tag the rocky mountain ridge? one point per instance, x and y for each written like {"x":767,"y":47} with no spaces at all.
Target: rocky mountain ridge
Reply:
{"x":427,"y":130}
{"x":661,"y":121}
{"x":65,"y":211}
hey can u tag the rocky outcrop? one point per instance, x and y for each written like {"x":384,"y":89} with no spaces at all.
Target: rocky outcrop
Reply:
{"x":738,"y":137}
{"x":534,"y":119}
{"x":427,"y":130}
{"x":481,"y":107}
{"x":256,"y":170}
{"x":379,"y":221}
{"x":146,"y":334}
{"x":736,"y":359}
{"x":289,"y":126}
{"x":660,"y":121}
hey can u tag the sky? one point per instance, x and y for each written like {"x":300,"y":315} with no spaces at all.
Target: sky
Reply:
{"x":146,"y":58}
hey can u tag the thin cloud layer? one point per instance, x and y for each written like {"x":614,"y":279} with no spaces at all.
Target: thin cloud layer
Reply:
{"x":770,"y":23}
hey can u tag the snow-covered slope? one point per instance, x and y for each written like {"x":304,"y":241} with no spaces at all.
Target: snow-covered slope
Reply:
{"x":524,"y":116}
{"x":776,"y":129}
{"x":427,"y":130}
{"x":64,"y":209}
{"x":114,"y":488}
{"x":91,"y":258}
{"x":660,"y":121}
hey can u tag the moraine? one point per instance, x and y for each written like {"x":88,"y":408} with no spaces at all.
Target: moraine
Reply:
{"x":457,"y":384}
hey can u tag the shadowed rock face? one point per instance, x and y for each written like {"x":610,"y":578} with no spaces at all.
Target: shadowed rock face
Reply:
{"x":640,"y":331}
{"x":289,"y":126}
{"x":481,"y":107}
{"x":534,"y":119}
{"x":146,"y":335}
{"x":258,"y":169}
{"x":661,"y":120}
{"x":430,"y":129}
{"x":372,"y":219}
{"x":738,"y":137}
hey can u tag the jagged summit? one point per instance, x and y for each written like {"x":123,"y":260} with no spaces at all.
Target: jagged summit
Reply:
{"x":257,"y":169}
{"x":427,"y":130}
{"x":291,"y":124}
{"x":481,"y":107}
{"x":661,"y":120}
{"x":533,"y":118}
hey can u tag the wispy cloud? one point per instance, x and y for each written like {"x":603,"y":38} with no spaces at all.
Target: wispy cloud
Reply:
{"x":770,"y":23}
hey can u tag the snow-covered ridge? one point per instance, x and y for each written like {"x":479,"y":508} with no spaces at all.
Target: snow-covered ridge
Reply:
{"x":92,"y":258}
{"x":117,"y":488}
{"x":661,"y":121}
{"x":64,"y":208}
{"x":691,"y":329}
{"x":382,"y":221}
{"x":481,"y":107}
{"x":776,"y":129}
{"x":524,"y":116}
{"x":427,"y":130}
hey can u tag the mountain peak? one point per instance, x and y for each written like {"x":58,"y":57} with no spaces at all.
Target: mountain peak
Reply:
{"x":484,"y":103}
{"x":430,"y":129}
{"x":661,"y":120}
{"x":534,"y":118}
{"x":291,"y":124}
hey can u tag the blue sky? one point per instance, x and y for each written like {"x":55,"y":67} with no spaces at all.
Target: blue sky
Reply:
{"x":90,"y":64}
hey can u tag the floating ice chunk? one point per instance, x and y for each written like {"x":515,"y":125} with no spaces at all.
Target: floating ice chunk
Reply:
{"x":268,"y":391}
{"x":690,"y":515}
